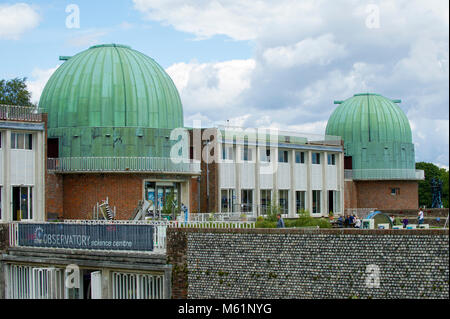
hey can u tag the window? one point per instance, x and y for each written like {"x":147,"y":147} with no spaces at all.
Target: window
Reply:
{"x":227,"y":152}
{"x":334,"y":202}
{"x":247,"y":200}
{"x":227,"y":200}
{"x":22,"y":203}
{"x":265,"y":155}
{"x":266,"y":200}
{"x":21,"y":141}
{"x":331,"y":159}
{"x":300,"y":200}
{"x":316,"y":209}
{"x":283,"y":156}
{"x":284,"y":201}
{"x":315,"y":158}
{"x":247,"y":154}
{"x":395,"y":191}
{"x":300,"y":157}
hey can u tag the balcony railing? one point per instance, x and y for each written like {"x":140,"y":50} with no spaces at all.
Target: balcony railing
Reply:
{"x":122,"y":164}
{"x":380,"y":174}
{"x":20,"y":113}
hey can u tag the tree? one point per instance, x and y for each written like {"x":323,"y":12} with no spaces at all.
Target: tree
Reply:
{"x":15,"y":92}
{"x":432,"y":171}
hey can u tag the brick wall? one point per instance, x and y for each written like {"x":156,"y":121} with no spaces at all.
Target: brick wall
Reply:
{"x":54,"y":194}
{"x":287,"y":263}
{"x":377,"y":194}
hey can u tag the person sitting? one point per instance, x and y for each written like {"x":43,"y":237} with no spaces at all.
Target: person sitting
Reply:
{"x":347,"y":221}
{"x":405,"y":222}
{"x":340,"y":221}
{"x":351,"y":220}
{"x":357,"y":222}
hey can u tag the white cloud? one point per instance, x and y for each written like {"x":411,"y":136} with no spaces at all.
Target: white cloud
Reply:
{"x":39,"y":78}
{"x":206,"y":87}
{"x":17,"y":19}
{"x":321,"y":50}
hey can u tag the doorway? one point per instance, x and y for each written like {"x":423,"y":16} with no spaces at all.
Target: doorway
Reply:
{"x":164,"y":198}
{"x":22,"y":203}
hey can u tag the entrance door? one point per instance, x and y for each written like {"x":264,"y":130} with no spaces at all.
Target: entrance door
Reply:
{"x":164,"y":198}
{"x":22,"y":203}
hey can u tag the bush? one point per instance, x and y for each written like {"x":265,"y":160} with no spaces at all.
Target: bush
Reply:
{"x":304,"y":220}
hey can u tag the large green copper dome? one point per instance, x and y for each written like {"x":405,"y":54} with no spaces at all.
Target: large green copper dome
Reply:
{"x":369,"y":117}
{"x":111,"y":101}
{"x":111,"y":85}
{"x":375,"y":131}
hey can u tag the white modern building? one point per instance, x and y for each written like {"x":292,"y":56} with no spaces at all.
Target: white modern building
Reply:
{"x":22,"y":164}
{"x":290,"y":170}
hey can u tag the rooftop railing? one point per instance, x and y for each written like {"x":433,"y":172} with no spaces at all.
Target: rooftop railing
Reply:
{"x":20,"y":113}
{"x":381,"y":174}
{"x":122,"y":164}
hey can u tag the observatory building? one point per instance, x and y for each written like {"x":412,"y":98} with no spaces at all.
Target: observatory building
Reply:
{"x":379,"y":160}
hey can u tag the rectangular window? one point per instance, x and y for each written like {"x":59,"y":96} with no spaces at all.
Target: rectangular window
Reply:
{"x":315,"y":158}
{"x":331,"y":159}
{"x":316,"y":209}
{"x":300,"y":157}
{"x":227,"y":200}
{"x":21,"y":141}
{"x":300,"y":200}
{"x":266,"y":200}
{"x":283,"y":156}
{"x":265,"y":155}
{"x":22,"y":203}
{"x":227,"y":152}
{"x":247,"y":200}
{"x":395,"y":191}
{"x":284,"y":201}
{"x":247,"y":154}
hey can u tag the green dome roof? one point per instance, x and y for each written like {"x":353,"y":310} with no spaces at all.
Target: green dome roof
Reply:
{"x":369,"y":117}
{"x":111,"y":86}
{"x":376,"y":134}
{"x":111,"y":101}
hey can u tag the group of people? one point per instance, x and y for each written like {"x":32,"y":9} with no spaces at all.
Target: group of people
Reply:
{"x":349,"y":221}
{"x":405,"y":221}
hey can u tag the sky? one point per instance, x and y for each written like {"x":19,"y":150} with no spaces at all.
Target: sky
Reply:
{"x":272,"y":63}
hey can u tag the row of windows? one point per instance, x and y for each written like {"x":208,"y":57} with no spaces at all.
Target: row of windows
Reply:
{"x":229,"y":202}
{"x":283,"y":155}
{"x":20,"y":141}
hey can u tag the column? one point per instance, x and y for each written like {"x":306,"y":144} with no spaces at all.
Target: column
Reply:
{"x":7,"y":199}
{"x":324,"y":199}
{"x":309,"y":182}
{"x":292,"y":203}
{"x":257,"y":198}
{"x":237,"y":167}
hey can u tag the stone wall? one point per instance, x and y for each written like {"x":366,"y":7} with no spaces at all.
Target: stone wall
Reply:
{"x":296,"y":263}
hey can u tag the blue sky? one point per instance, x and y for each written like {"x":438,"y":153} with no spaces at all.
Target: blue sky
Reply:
{"x":258,"y":63}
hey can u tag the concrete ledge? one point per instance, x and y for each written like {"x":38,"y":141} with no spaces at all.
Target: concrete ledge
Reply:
{"x":333,"y":231}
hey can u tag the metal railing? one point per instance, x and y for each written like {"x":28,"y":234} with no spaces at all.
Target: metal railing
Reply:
{"x":121,"y":164}
{"x":380,"y":174}
{"x":159,"y":228}
{"x":20,"y":113}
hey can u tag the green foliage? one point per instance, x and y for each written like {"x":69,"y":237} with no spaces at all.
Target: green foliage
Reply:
{"x":304,"y":220}
{"x":169,"y":204}
{"x":432,"y":171}
{"x":15,"y":92}
{"x":272,"y":212}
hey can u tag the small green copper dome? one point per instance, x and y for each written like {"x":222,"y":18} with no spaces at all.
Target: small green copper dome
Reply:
{"x":111,"y":85}
{"x":111,"y":101}
{"x":375,"y":131}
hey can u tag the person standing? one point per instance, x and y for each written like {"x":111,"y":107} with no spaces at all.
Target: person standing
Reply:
{"x":420,"y":217}
{"x":280,"y":222}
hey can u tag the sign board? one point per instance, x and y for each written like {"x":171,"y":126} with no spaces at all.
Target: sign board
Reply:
{"x":87,"y":236}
